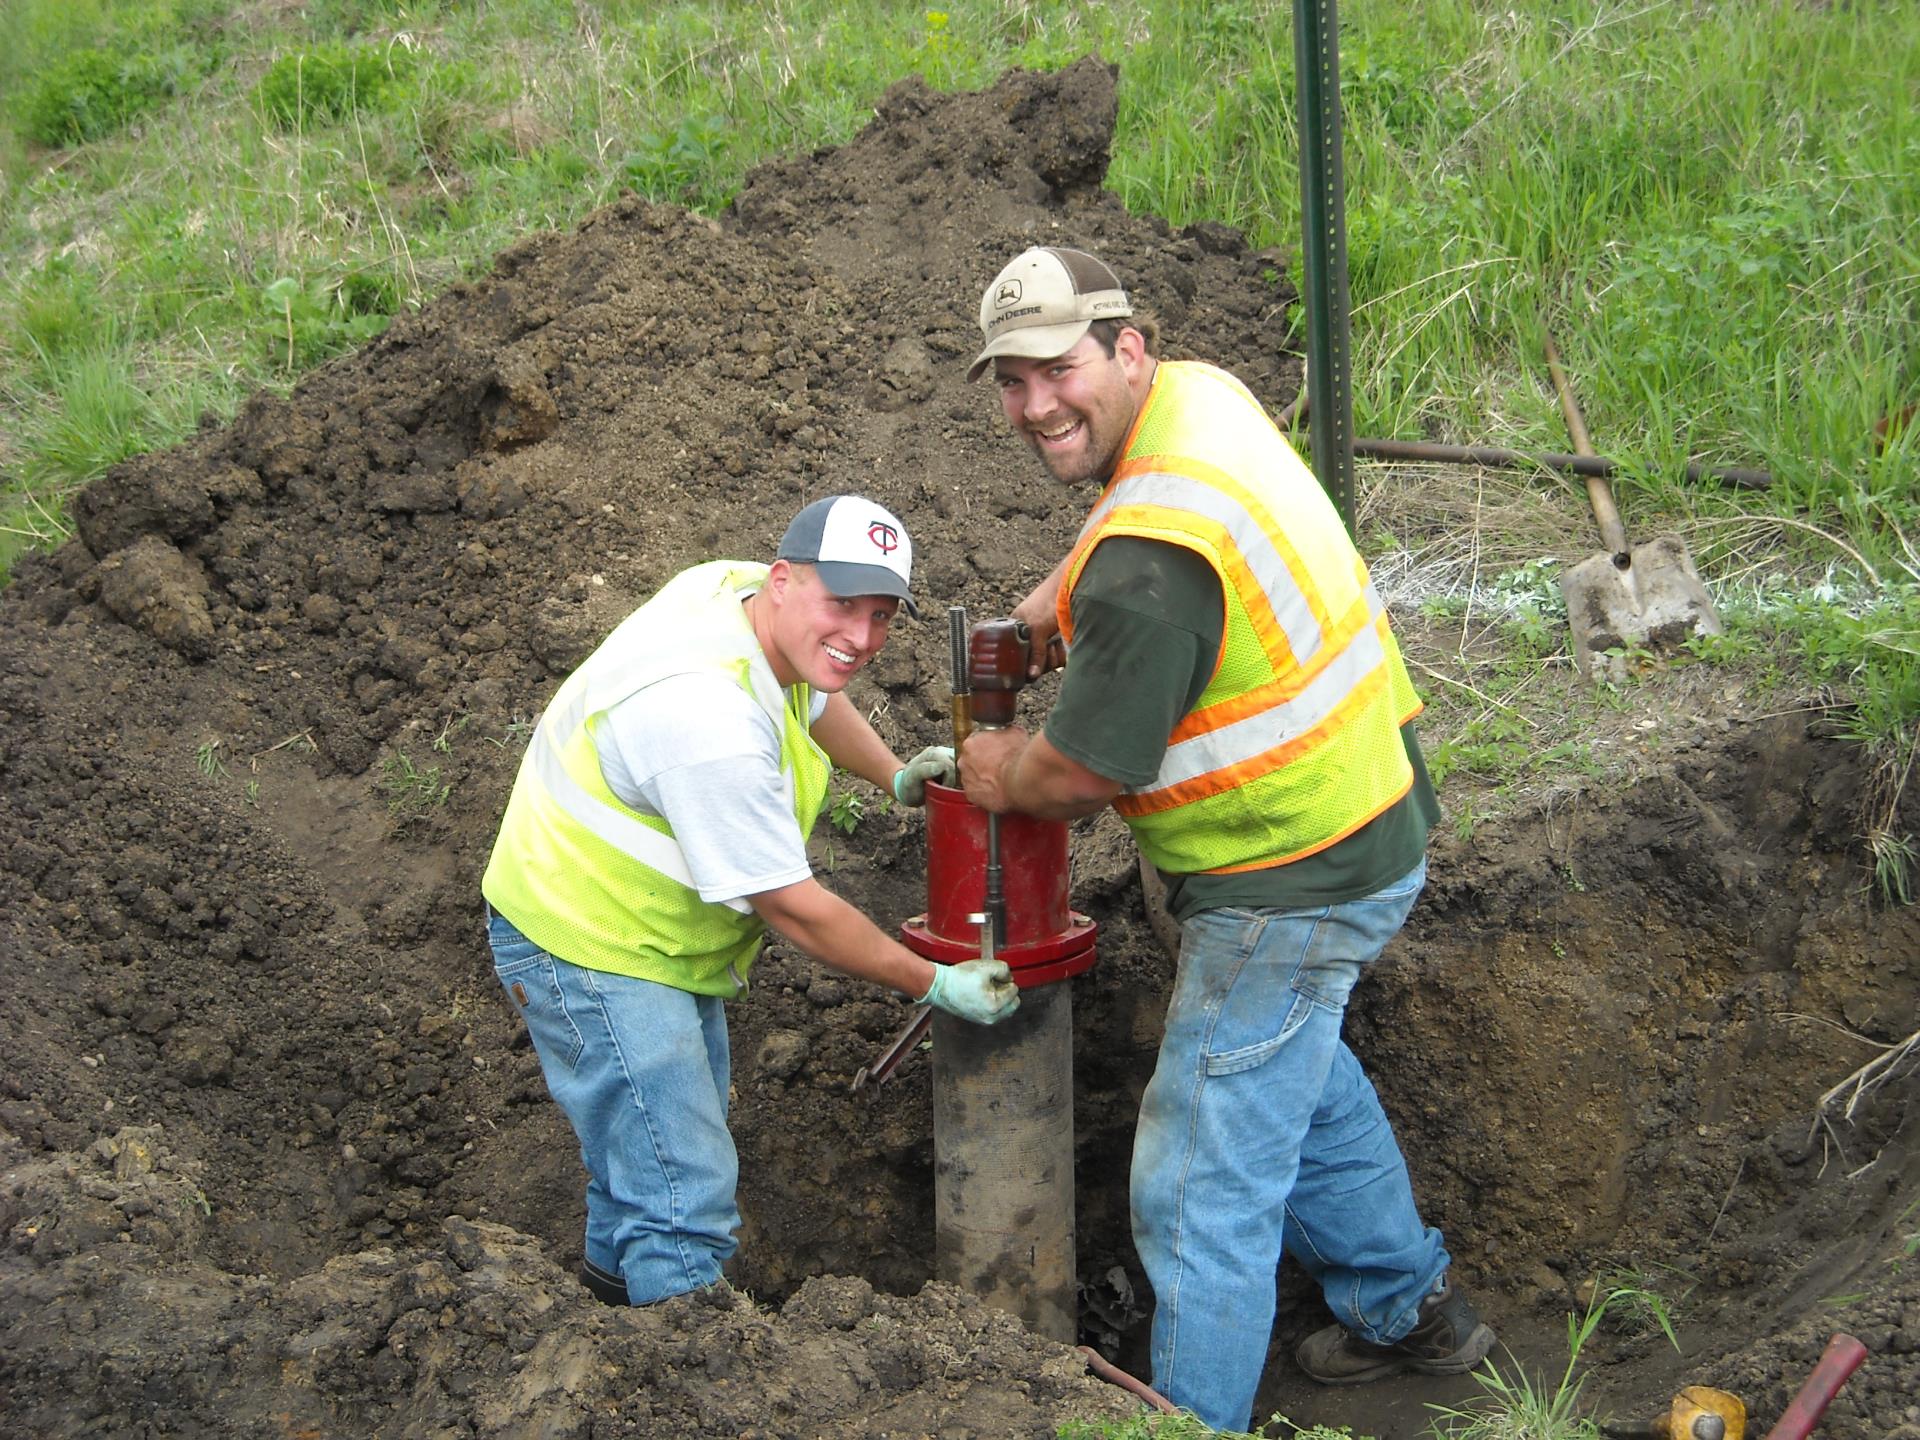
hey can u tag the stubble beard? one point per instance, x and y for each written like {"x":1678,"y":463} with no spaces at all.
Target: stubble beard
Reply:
{"x":1088,"y":466}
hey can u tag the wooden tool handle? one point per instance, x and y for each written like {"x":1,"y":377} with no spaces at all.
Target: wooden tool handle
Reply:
{"x":1613,"y":534}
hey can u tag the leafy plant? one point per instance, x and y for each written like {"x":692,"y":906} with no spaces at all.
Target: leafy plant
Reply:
{"x":88,"y":94}
{"x":515,"y":735}
{"x":207,"y":756}
{"x":667,"y":164}
{"x":847,"y":811}
{"x":1491,"y":745}
{"x":326,"y":317}
{"x":443,"y":742}
{"x":937,"y":54}
{"x":332,"y":82}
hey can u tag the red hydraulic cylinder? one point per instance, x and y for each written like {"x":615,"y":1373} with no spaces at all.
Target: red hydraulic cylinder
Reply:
{"x":1047,"y":940}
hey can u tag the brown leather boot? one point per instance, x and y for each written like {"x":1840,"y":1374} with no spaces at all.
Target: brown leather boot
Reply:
{"x":1449,"y":1338}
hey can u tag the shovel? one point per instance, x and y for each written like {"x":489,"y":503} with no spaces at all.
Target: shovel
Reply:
{"x":1645,"y":596}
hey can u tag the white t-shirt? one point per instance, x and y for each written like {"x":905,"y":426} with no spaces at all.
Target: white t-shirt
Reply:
{"x":697,"y":750}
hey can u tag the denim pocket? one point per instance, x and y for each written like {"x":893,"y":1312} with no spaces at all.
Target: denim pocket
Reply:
{"x":534,"y":987}
{"x":1249,"y":1057}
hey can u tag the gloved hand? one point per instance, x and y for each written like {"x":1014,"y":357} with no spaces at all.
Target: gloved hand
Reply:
{"x":978,"y":990}
{"x":933,"y":763}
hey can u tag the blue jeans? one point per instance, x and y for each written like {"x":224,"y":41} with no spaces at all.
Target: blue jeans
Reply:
{"x":641,"y":1071}
{"x":1258,"y":1129}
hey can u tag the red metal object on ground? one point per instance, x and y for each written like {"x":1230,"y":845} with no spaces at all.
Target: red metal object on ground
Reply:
{"x":1838,"y":1361}
{"x":1047,"y":939}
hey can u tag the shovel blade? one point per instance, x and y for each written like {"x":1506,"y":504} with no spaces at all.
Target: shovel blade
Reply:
{"x":1655,"y":602}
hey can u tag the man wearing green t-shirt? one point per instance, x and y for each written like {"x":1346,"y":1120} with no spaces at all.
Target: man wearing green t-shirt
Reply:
{"x":1236,"y":693}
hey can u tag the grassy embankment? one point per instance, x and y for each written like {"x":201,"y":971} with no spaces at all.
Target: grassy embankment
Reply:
{"x":1713,"y":207}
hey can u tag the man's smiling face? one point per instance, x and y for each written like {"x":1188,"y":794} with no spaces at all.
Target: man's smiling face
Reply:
{"x":1077,"y":409}
{"x":818,"y":637}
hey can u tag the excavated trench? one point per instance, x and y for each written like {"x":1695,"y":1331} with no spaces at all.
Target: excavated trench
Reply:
{"x":277,"y":1157}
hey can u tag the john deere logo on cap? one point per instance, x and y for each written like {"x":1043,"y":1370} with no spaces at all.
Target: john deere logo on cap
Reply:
{"x":885,"y":538}
{"x":1008,"y":294}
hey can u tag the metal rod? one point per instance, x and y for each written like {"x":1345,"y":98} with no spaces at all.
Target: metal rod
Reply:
{"x":1734,"y":477}
{"x":1495,"y":457}
{"x":898,"y":1049}
{"x":957,"y":670}
{"x":1323,"y":235}
{"x":993,"y":934}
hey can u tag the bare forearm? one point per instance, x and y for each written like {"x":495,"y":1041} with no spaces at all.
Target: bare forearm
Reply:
{"x":1041,"y":781}
{"x":836,"y":934}
{"x":1009,"y":770}
{"x":853,"y":744}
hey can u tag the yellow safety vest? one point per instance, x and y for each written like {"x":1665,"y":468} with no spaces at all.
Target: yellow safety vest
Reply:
{"x":597,"y":883}
{"x":1295,"y":743}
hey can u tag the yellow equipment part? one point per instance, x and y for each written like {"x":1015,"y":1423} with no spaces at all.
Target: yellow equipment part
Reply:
{"x":1702,"y":1413}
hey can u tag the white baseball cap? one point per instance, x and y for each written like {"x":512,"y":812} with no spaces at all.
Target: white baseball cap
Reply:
{"x":1043,"y":302}
{"x":856,"y":547}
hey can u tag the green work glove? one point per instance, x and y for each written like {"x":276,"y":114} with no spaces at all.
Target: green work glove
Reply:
{"x":933,"y":763}
{"x":978,"y":990}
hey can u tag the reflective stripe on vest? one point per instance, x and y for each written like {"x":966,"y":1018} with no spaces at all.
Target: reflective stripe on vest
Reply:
{"x":618,"y":671}
{"x":630,"y":834}
{"x":1309,"y":679}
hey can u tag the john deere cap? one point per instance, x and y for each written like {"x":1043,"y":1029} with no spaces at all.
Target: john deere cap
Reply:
{"x":1043,"y":302}
{"x":857,"y":548}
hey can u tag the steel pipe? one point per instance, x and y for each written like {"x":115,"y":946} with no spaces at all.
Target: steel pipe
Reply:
{"x":1003,"y":1159}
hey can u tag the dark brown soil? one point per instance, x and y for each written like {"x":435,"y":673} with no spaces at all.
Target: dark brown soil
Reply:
{"x":277,"y":1159}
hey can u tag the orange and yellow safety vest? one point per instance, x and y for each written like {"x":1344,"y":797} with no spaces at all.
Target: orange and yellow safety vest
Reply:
{"x":1295,"y":742}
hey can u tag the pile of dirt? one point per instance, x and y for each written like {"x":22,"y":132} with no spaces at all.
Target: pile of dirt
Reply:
{"x":277,"y":1153}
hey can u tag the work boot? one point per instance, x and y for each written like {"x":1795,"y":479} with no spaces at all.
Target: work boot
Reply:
{"x":607,"y":1287}
{"x":1448,"y":1338}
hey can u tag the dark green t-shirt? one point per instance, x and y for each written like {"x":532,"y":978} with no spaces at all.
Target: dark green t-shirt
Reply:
{"x":1147,"y":623}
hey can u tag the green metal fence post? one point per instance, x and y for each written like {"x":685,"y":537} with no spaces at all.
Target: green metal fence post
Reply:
{"x":1323,"y":225}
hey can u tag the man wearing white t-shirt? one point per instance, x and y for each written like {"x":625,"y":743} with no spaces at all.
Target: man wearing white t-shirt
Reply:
{"x":657,"y":827}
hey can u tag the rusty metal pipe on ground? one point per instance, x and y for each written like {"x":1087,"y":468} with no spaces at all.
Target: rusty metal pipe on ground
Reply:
{"x":1497,"y":457}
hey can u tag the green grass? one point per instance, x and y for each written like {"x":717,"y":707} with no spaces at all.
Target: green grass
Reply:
{"x":412,"y":792}
{"x":1709,"y":206}
{"x":1514,"y":1405}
